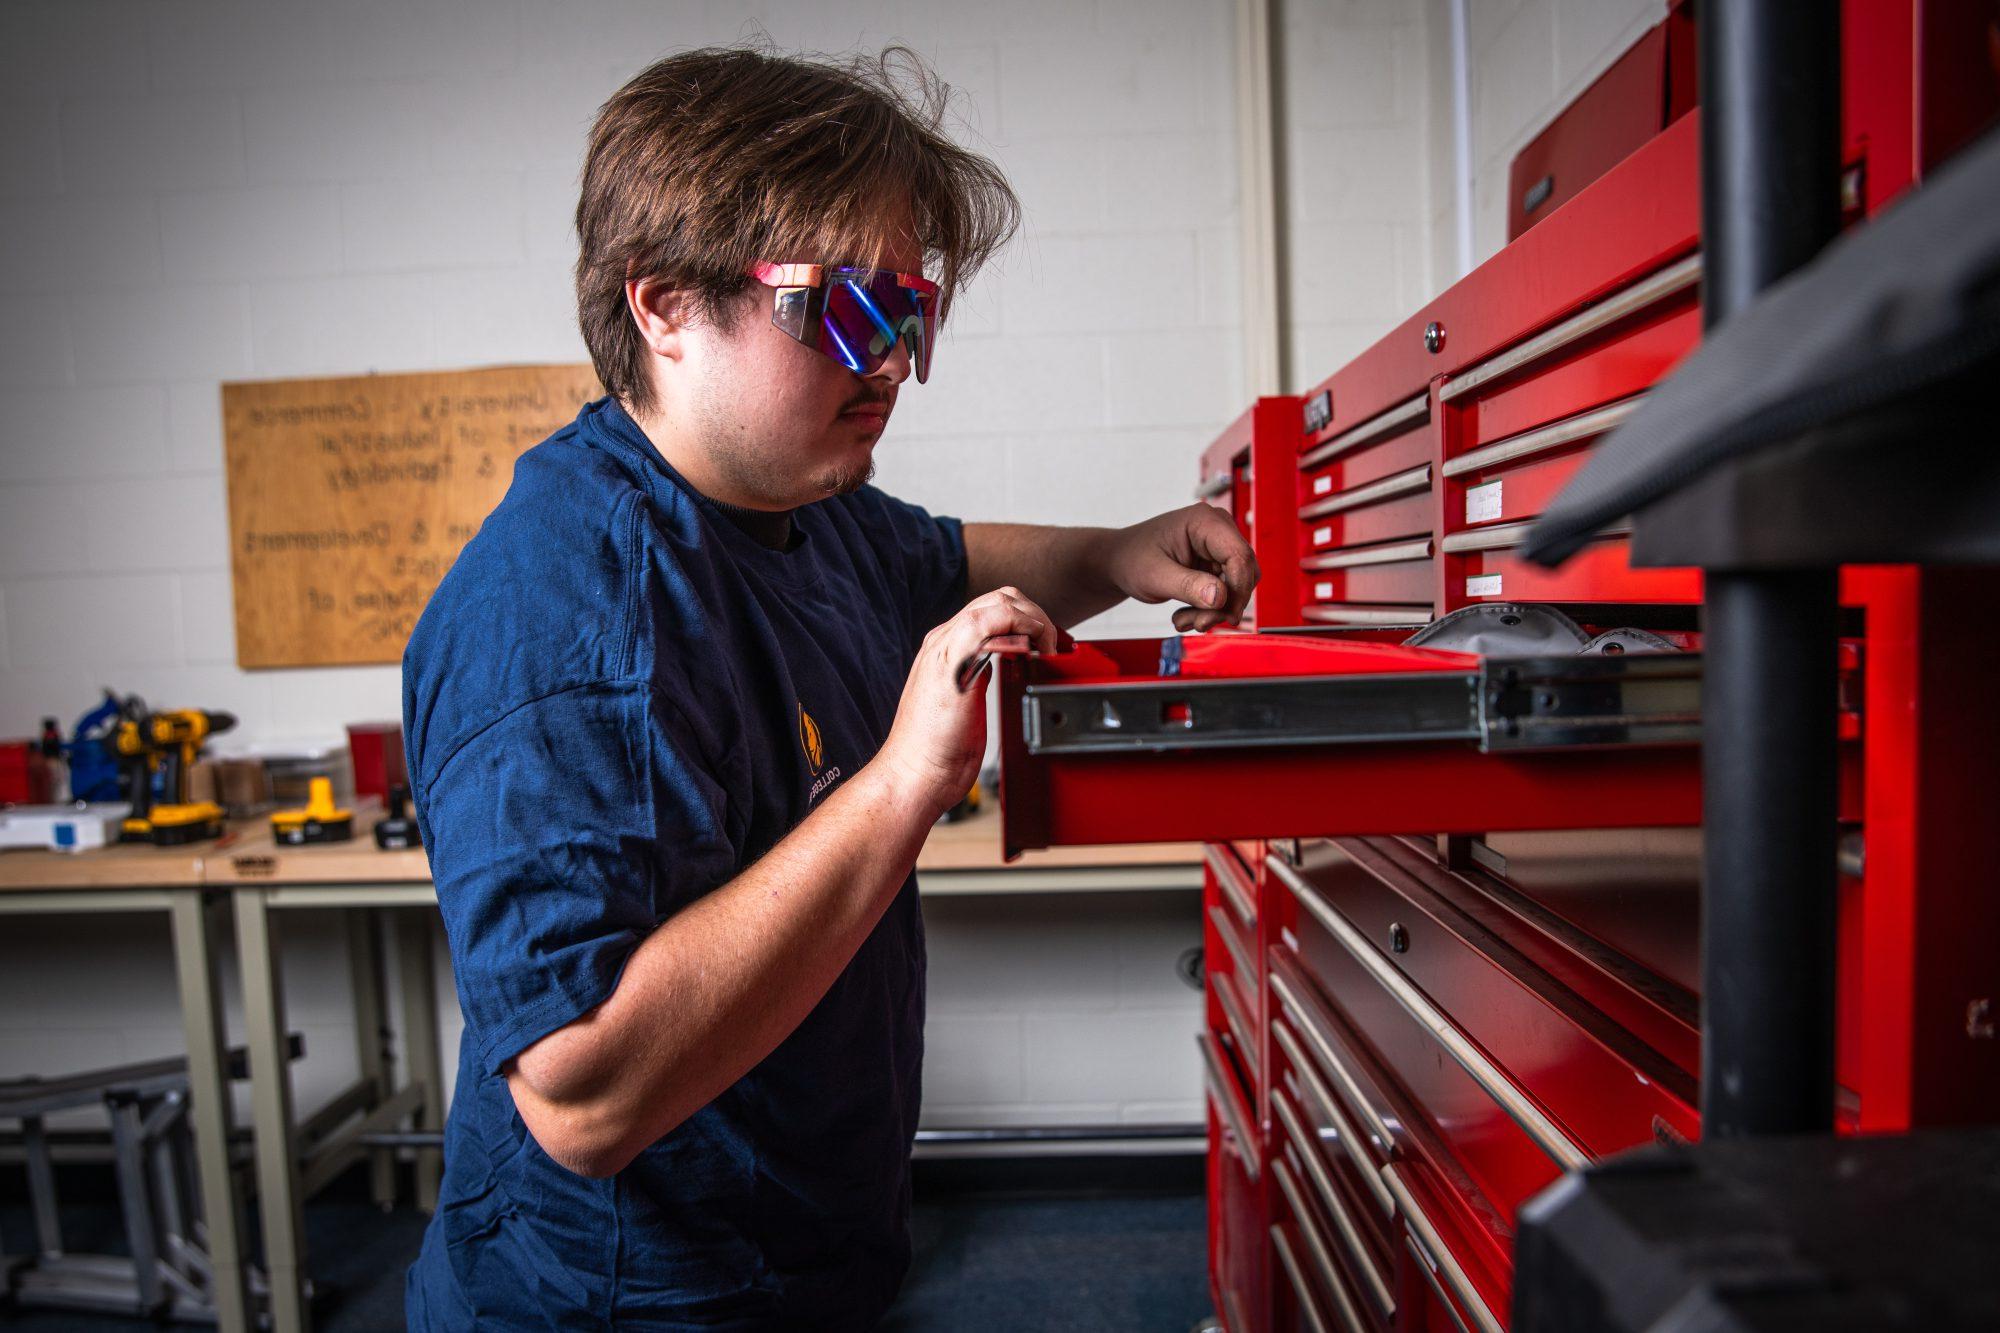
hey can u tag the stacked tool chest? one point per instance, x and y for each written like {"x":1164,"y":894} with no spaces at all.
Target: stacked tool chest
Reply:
{"x":1451,"y":911}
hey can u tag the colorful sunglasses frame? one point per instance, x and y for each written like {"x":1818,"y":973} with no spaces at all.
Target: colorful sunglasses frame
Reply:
{"x":836,"y":310}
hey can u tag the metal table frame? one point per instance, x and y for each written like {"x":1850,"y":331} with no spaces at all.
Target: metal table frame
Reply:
{"x":286,"y":1175}
{"x":189,"y":909}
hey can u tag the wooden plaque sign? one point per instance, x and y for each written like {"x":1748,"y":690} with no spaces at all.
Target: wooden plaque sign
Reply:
{"x":350,"y":498}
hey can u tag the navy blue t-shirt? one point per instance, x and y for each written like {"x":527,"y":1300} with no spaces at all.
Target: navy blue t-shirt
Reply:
{"x":616,"y":701}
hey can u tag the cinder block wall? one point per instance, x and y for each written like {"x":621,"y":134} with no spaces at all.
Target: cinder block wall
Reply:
{"x":199,"y":192}
{"x":202,"y":192}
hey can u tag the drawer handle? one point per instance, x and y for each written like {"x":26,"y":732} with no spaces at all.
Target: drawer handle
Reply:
{"x":1309,"y":1229}
{"x":1407,"y":482}
{"x":1649,"y":291}
{"x":1309,"y":1024}
{"x":1350,"y":1141}
{"x":1338,"y":613}
{"x":1548,"y":1136}
{"x":1216,"y":485}
{"x":1389,"y":421}
{"x":1234,"y":1017}
{"x":1244,"y":967}
{"x":1221,"y":1091}
{"x":1370,"y":555}
{"x":1433,"y":1254}
{"x":1553,"y":436}
{"x":1329,"y":1194}
{"x":1504,"y":535}
{"x":1228,"y":878}
{"x":1308,"y":1303}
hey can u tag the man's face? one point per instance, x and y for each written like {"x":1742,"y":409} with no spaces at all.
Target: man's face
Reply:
{"x":779,"y":421}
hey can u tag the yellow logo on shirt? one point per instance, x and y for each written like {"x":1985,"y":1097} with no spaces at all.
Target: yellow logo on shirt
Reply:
{"x":810,"y":740}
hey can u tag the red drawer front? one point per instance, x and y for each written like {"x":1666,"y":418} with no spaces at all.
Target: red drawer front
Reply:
{"x":1600,"y":572}
{"x":1455,"y":1218}
{"x":1589,"y":1086}
{"x":1402,"y":581}
{"x":1238,"y":1251}
{"x":1358,"y":467}
{"x":1253,"y":791}
{"x":1623,"y":359}
{"x":1392,"y":520}
{"x":1315,"y":1271}
{"x":1518,"y":493}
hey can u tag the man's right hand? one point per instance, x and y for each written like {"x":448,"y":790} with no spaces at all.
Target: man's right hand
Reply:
{"x":939,"y":735}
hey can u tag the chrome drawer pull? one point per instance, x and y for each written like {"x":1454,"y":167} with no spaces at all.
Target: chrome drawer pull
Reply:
{"x":1350,"y":1141}
{"x":1504,"y":535}
{"x":1308,"y":1023}
{"x":1218,"y":484}
{"x":1370,"y":555}
{"x":1316,"y":1243}
{"x":1378,"y":1286}
{"x":1223,"y":864}
{"x":1582,"y":426}
{"x":1548,"y":1136}
{"x":1389,"y":421}
{"x":1308,"y":1304}
{"x":1407,"y":482}
{"x":1429,"y":1269}
{"x":1220,"y":1092}
{"x":1244,"y":967}
{"x":1336,"y":613}
{"x":1674,"y":278}
{"x":1448,"y":1268}
{"x":1234,"y":1017}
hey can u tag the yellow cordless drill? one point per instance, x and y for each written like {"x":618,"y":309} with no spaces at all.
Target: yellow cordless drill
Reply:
{"x":168,"y":742}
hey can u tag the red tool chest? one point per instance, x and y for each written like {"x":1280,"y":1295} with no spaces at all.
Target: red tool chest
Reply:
{"x":1452,"y":903}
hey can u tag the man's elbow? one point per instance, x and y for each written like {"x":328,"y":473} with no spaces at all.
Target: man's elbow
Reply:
{"x":579,"y":1134}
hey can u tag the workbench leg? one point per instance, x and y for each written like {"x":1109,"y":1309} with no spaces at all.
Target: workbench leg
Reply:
{"x":420,"y":1037}
{"x":371,"y":1040}
{"x":209,"y":1106}
{"x":271,"y":1113}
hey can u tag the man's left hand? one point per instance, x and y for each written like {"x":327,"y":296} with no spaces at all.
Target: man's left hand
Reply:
{"x":1195,"y":555}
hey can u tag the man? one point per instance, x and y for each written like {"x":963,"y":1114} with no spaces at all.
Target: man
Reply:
{"x":681,"y":715}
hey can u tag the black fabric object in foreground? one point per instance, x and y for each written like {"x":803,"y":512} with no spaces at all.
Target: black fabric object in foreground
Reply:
{"x":1807,"y":1232}
{"x":1846,"y":416}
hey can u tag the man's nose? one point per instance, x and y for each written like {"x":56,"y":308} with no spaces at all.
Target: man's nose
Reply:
{"x":895,"y":367}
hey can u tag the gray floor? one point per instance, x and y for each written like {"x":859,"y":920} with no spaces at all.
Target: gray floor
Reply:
{"x":1132,"y":1258}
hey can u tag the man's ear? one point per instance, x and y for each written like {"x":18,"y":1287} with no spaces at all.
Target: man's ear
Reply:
{"x":660,"y":312}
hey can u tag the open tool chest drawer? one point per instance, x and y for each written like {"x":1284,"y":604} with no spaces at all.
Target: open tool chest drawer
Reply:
{"x":1277,"y":734}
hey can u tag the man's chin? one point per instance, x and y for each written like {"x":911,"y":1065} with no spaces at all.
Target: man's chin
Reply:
{"x":845,"y":481}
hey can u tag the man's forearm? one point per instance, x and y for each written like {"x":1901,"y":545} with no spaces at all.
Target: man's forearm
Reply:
{"x":1064,"y":570}
{"x":721,"y":983}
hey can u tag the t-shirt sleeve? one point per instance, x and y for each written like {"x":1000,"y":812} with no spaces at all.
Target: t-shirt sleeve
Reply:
{"x":931,"y":554}
{"x":559,"y":837}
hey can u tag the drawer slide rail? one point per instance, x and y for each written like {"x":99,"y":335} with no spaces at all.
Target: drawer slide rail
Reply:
{"x":1506,"y":704}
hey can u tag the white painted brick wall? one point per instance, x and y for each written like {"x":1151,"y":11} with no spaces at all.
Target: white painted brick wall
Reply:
{"x":205,"y":191}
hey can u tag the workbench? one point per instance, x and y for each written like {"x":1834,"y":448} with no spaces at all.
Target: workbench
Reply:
{"x":386,"y":894}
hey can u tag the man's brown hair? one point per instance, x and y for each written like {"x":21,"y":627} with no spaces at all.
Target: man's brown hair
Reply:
{"x":711,"y":160}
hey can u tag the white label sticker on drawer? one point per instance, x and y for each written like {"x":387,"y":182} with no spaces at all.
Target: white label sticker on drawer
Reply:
{"x":1482,"y":503}
{"x":1323,"y":591}
{"x":1321,"y":536}
{"x":1483,"y":585}
{"x":1321,"y":485}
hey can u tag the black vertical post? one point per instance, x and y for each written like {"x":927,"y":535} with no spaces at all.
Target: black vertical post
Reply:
{"x":1770,"y":174}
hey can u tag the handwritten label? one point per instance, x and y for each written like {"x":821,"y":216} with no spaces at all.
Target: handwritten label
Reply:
{"x":1321,"y":536}
{"x":350,"y":499}
{"x":1321,"y":485}
{"x":1483,"y":503}
{"x":1483,"y":585}
{"x":1322,"y":591}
